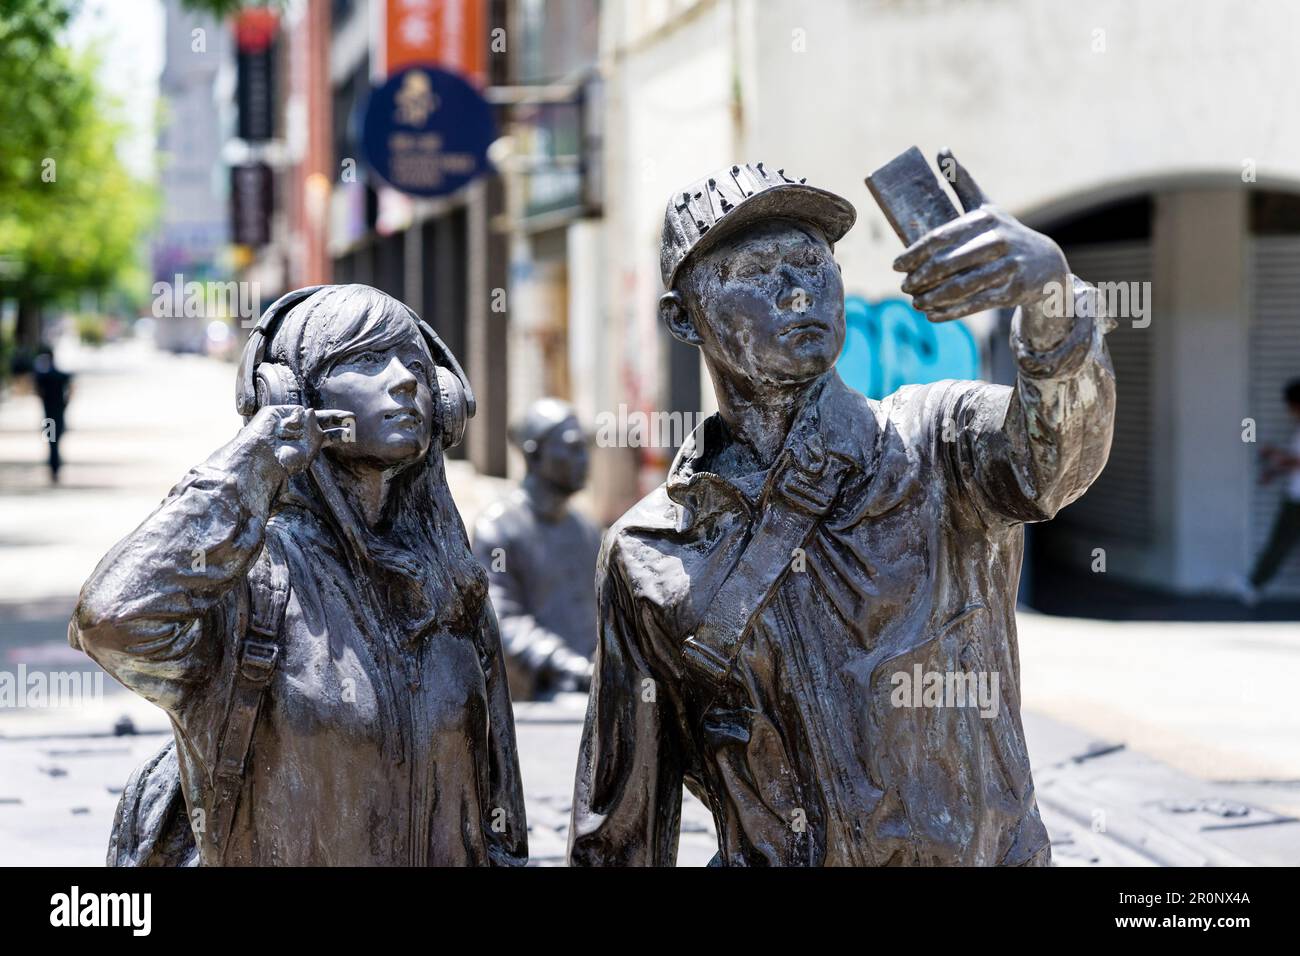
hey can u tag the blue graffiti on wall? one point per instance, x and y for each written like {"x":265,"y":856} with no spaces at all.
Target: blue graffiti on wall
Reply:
{"x":889,"y":344}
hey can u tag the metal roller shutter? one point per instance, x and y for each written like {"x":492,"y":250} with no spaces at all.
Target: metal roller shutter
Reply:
{"x":1118,"y":506}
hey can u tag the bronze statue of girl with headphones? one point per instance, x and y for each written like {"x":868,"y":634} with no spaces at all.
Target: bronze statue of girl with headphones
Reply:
{"x":305,"y":607}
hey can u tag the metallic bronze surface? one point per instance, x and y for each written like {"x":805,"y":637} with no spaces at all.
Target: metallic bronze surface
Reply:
{"x":305,"y":608}
{"x":540,"y":557}
{"x":776,"y":618}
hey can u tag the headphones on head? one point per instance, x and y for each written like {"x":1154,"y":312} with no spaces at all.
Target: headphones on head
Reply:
{"x":261,"y":382}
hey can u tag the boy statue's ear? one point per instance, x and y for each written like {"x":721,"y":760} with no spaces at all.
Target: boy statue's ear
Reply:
{"x":674,"y":314}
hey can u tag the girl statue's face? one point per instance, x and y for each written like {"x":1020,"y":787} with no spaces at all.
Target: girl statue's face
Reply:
{"x":390,"y":396}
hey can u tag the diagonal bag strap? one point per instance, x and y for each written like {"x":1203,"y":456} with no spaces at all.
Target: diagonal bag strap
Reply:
{"x":259,"y":652}
{"x":797,"y":501}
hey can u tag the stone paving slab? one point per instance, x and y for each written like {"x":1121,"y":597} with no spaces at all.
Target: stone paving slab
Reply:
{"x":58,"y":795}
{"x":548,"y":736}
{"x":58,"y":792}
{"x":1103,"y":804}
{"x":1214,"y":699}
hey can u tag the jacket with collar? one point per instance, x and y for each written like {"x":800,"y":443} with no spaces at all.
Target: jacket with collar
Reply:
{"x":372,"y":746}
{"x":813,"y":755}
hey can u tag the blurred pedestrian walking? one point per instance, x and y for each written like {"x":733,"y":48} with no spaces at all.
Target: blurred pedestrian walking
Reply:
{"x":54,"y":386}
{"x":1280,"y":462}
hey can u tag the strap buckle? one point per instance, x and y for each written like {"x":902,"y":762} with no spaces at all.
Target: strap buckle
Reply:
{"x":705,"y":661}
{"x":808,"y":492}
{"x":258,"y":660}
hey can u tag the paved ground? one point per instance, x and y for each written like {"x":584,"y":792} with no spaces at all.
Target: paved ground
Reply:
{"x":1216,"y":700}
{"x":1103,"y":804}
{"x":1152,"y":743}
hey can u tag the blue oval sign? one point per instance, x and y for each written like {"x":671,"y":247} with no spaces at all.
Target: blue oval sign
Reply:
{"x":426,"y":131}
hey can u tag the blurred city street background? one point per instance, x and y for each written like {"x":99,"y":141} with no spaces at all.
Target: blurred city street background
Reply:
{"x":182,"y":163}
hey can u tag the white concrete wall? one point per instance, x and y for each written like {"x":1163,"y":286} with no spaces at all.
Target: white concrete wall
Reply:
{"x":1020,"y":93}
{"x":1051,"y":106}
{"x":672,"y":93}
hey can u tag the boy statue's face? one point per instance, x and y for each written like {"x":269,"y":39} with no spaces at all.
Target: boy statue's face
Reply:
{"x":766,"y":305}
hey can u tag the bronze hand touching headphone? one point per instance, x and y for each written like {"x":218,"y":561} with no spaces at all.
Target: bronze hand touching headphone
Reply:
{"x":262,"y":382}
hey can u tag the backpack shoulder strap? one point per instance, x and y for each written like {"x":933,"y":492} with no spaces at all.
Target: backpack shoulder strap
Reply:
{"x":792,"y":512}
{"x":259,"y":652}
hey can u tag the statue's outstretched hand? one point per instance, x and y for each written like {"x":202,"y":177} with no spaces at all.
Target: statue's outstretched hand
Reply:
{"x":984,"y":259}
{"x":297,"y":434}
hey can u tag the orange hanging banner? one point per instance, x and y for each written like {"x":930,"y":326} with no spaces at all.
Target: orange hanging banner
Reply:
{"x":450,"y":34}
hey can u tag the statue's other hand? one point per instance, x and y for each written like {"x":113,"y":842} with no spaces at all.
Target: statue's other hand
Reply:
{"x":297,"y":434}
{"x":984,"y":259}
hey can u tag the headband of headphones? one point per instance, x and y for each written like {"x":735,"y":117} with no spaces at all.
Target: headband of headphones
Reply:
{"x":260,"y":338}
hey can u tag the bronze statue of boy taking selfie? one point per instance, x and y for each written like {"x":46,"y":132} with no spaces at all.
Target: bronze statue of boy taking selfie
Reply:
{"x":811,"y":545}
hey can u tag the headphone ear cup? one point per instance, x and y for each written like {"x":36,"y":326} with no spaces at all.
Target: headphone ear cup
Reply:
{"x":453,"y":411}
{"x":276,"y":385}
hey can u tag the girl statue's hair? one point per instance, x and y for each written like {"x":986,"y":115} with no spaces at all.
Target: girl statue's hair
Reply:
{"x":418,"y":552}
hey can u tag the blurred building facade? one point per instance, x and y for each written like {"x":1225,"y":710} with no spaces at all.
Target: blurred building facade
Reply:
{"x":192,"y":235}
{"x":1149,"y":139}
{"x":488,"y":267}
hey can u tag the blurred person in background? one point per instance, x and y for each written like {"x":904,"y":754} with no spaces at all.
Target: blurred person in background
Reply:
{"x":54,"y":386}
{"x":540,"y":556}
{"x":1279,"y":463}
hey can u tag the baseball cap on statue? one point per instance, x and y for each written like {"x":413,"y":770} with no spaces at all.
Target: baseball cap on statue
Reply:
{"x":704,"y":213}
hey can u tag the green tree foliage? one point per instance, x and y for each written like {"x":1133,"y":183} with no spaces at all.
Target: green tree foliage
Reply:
{"x":72,"y":217}
{"x":35,"y":103}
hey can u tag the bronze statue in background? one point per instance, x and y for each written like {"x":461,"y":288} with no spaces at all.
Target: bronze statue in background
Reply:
{"x":785,"y":624}
{"x":540,"y":556}
{"x":305,"y":607}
